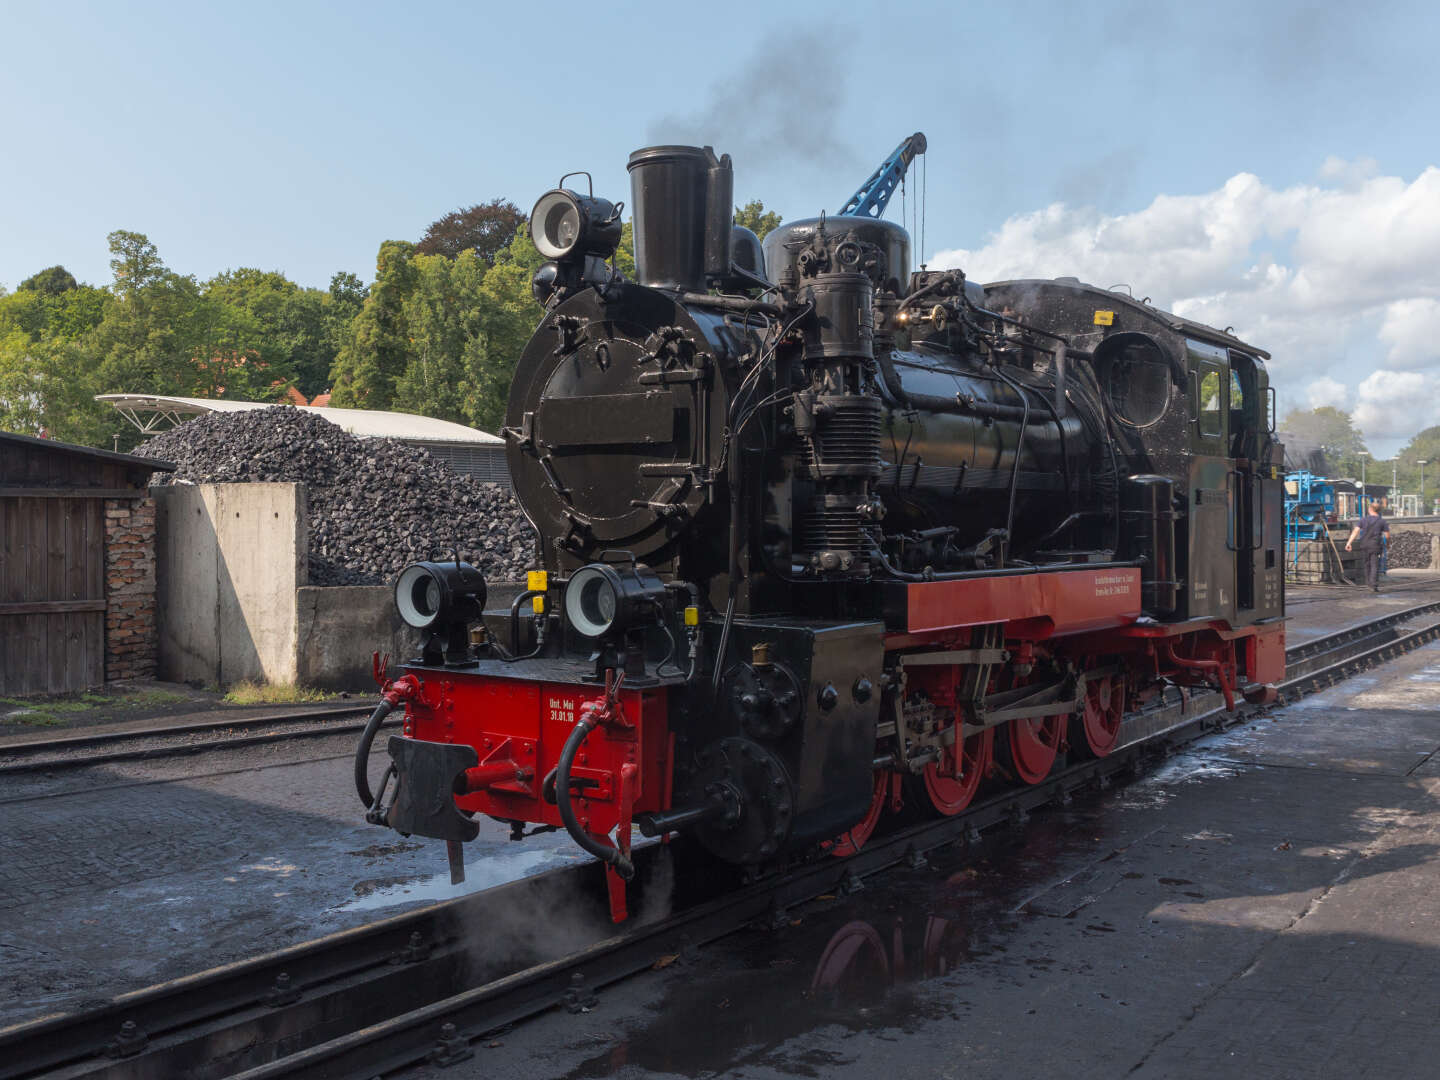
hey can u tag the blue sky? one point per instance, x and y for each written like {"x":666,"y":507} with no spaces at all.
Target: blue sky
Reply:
{"x":298,"y":136}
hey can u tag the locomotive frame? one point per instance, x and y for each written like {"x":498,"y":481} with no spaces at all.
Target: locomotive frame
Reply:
{"x":821,"y":538}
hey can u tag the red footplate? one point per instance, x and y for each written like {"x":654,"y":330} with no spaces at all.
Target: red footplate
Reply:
{"x":518,"y":728}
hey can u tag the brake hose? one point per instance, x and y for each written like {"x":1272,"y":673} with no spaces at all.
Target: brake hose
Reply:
{"x":362,"y":752}
{"x":612,"y":856}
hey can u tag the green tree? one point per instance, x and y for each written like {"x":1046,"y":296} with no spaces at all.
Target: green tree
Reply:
{"x":1423,"y":446}
{"x":756,"y":218}
{"x":1333,"y":432}
{"x":376,"y":349}
{"x":134,"y":261}
{"x":52,"y":281}
{"x":486,"y":229}
{"x":290,"y":327}
{"x":510,"y":317}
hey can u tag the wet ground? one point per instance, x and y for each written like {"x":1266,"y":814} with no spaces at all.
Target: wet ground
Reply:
{"x":1266,"y":905}
{"x":1316,"y":610}
{"x":115,"y":878}
{"x":118,"y":877}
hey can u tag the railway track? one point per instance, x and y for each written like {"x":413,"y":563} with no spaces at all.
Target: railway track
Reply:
{"x":423,"y":985}
{"x":83,"y":750}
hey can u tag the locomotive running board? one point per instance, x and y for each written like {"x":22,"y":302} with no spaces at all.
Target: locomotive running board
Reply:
{"x":1032,"y":604}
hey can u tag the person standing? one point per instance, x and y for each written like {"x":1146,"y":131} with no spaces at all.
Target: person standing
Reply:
{"x":1369,"y":530}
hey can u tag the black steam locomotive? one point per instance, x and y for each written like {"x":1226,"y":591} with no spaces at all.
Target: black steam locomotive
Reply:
{"x":822,"y":536}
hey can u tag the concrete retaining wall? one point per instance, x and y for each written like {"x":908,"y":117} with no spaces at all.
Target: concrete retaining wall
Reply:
{"x":339,"y":629}
{"x":230,"y":569}
{"x":229,"y":559}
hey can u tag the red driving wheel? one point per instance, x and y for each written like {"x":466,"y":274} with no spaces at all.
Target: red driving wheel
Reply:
{"x":1096,"y":729}
{"x":853,"y":839}
{"x":948,"y":789}
{"x":1028,"y":747}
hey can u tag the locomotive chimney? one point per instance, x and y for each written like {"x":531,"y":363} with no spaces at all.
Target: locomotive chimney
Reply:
{"x":681,"y":198}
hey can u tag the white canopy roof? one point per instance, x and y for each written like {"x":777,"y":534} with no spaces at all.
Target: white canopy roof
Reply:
{"x":148,"y":411}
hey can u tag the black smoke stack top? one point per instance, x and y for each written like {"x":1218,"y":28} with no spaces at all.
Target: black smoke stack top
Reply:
{"x":682,"y":201}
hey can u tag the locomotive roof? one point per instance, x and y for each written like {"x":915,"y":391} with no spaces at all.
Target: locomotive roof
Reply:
{"x":1110,"y":298}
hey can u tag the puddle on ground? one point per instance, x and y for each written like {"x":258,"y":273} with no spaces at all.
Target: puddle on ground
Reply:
{"x":484,"y":872}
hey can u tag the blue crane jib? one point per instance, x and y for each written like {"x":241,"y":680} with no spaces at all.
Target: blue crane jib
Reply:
{"x":873,"y":196}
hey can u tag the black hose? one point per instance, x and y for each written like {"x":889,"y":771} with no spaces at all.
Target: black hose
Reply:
{"x":613,"y":856}
{"x":362,"y":753}
{"x":515,"y":619}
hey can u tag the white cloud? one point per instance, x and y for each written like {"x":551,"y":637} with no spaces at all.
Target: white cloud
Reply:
{"x":1327,"y":391}
{"x":1412,"y":330}
{"x":1393,"y":405}
{"x":1335,"y":279}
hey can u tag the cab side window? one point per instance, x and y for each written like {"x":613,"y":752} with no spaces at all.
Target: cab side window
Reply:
{"x":1211,"y":417}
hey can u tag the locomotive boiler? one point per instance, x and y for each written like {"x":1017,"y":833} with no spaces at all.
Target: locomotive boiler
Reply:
{"x":821,"y":536}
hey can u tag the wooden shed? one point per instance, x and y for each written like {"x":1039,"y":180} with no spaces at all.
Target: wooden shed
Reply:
{"x":77,"y":577}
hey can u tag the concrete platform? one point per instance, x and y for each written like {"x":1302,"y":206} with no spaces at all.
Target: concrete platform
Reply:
{"x":1267,"y":906}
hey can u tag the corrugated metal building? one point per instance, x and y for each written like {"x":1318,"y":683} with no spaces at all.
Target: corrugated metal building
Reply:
{"x":463,"y":449}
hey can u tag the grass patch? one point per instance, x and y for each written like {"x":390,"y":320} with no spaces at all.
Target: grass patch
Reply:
{"x":251,"y":693}
{"x":47,"y":712}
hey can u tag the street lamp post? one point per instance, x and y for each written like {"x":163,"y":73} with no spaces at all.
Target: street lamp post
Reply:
{"x":1360,"y":510}
{"x":1422,"y":465}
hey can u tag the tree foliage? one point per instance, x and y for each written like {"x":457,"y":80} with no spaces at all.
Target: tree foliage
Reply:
{"x":1332,"y":431}
{"x":52,"y":281}
{"x":756,"y":218}
{"x":437,"y":332}
{"x":1423,"y":446}
{"x":485,"y":229}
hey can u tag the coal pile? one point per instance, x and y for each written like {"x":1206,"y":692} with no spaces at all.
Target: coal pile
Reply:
{"x":1409,"y":550}
{"x":375,"y":504}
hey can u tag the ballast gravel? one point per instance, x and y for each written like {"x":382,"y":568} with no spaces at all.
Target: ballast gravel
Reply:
{"x":375,"y":505}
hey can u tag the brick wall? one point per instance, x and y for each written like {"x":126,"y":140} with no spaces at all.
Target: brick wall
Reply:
{"x":131,"y":633}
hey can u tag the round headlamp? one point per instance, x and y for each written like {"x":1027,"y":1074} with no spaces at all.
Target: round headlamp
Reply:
{"x":593,"y":599}
{"x":430,"y":595}
{"x":603,"y":602}
{"x":565,"y":224}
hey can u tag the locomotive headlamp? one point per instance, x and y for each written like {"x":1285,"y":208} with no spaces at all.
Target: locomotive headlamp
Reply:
{"x":565,"y":224}
{"x":602,"y":601}
{"x":432,"y":595}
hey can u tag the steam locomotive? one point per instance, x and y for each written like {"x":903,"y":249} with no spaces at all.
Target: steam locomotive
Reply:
{"x":821,"y":537}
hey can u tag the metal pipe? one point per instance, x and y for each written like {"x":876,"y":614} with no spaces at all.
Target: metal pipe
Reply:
{"x":515,"y":619}
{"x":487,"y":775}
{"x":1214,"y":667}
{"x":1015,"y":465}
{"x":1009,"y":571}
{"x":668,"y":821}
{"x":730,"y":303}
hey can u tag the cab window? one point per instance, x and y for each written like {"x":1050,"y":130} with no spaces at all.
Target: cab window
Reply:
{"x":1211,"y":418}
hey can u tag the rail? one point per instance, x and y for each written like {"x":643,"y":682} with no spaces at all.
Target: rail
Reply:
{"x":102,"y":748}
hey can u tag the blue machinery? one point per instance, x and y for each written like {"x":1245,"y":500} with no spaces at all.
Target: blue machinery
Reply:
{"x":1310,"y":507}
{"x":874,"y":195}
